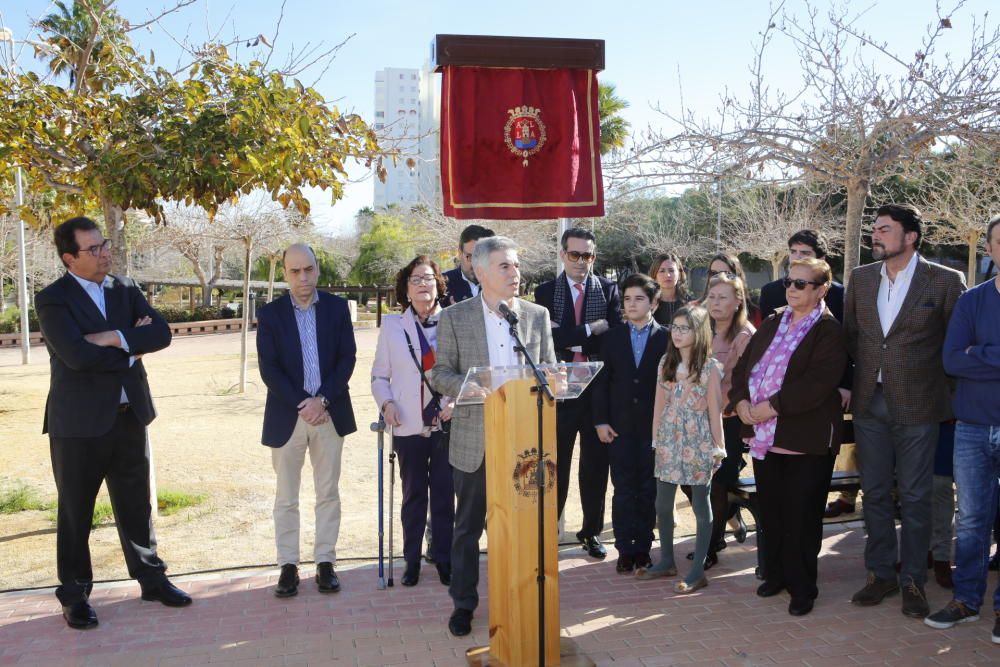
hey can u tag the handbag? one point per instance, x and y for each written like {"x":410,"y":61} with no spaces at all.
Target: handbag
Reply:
{"x":444,"y":426}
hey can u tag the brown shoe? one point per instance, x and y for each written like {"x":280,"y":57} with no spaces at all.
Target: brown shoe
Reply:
{"x":838,"y":507}
{"x":942,"y":574}
{"x":914,"y":600}
{"x":874,"y":591}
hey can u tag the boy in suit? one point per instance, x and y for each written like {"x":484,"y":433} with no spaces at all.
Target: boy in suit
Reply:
{"x":622,"y":403}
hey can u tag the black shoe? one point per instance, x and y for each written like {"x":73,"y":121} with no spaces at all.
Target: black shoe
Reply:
{"x":593,"y":546}
{"x":838,"y":507}
{"x":288,"y":582}
{"x":166,"y":593}
{"x":460,"y":623}
{"x":412,"y":574}
{"x":914,"y":600}
{"x":444,"y":573}
{"x":740,"y":533}
{"x":711,"y":560}
{"x":995,"y":636}
{"x":800,"y":606}
{"x":767,"y":589}
{"x":625,"y":564}
{"x":326,"y":578}
{"x":874,"y":591}
{"x":954,"y":613}
{"x":80,"y":615}
{"x":643,"y":561}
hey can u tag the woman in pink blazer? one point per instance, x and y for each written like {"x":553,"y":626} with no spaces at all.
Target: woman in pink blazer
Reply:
{"x":404,"y":357}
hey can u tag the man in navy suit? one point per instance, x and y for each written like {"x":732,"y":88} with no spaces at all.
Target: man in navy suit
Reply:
{"x":306,"y":353}
{"x":623,"y":396}
{"x":461,"y":282}
{"x":97,"y":327}
{"x":802,"y":244}
{"x":582,"y":307}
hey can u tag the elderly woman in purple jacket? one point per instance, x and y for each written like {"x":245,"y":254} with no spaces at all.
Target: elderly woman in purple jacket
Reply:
{"x":417,"y":414}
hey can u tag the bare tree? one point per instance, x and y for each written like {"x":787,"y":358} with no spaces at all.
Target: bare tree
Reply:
{"x":761,"y":218}
{"x":960,"y":191}
{"x":863,"y":106}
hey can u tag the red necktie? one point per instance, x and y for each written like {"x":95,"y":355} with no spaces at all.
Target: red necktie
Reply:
{"x":578,"y":309}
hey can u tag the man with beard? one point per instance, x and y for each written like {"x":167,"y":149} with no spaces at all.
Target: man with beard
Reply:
{"x":896,"y":314}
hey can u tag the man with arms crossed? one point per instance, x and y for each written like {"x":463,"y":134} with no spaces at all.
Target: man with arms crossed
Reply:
{"x":972,"y":355}
{"x":306,"y":353}
{"x":473,"y":333}
{"x":97,"y":327}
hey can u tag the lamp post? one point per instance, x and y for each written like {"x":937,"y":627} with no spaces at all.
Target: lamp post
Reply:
{"x":22,"y":268}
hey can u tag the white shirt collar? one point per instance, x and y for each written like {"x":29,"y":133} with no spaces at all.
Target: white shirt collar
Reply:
{"x":107,"y":283}
{"x":572,"y":282}
{"x":906,"y":273}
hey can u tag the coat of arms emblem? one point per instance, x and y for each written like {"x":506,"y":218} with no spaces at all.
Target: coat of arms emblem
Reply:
{"x":525,"y":474}
{"x":524,"y":132}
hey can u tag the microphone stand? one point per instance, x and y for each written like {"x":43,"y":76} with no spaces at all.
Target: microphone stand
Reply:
{"x":542,"y":390}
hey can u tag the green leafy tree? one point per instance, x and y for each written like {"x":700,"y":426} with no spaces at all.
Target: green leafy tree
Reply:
{"x":384,"y":249}
{"x":614,"y":128}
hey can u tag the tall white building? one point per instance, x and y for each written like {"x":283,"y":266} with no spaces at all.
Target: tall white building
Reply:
{"x":397,"y":121}
{"x":407,"y":117}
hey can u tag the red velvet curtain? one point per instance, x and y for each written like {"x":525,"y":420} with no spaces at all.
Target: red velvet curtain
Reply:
{"x":520,"y":143}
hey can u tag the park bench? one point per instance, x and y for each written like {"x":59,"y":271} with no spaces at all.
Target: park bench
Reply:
{"x":745,"y":496}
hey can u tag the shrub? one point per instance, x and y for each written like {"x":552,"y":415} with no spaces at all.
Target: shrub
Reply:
{"x":21,"y":499}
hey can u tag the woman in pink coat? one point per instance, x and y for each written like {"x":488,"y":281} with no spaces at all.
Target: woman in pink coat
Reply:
{"x":418,"y":415}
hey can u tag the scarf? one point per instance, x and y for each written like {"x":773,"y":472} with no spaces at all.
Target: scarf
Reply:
{"x":595,"y":306}
{"x":768,"y":374}
{"x":432,"y":407}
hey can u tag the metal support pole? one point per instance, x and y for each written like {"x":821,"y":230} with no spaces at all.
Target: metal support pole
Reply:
{"x":22,"y":274}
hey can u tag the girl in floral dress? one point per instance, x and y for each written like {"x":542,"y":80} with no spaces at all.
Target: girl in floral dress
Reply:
{"x":687,"y":438}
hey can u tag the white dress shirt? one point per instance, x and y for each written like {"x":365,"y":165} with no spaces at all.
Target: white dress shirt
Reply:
{"x":96,"y":294}
{"x":891,"y":294}
{"x":473,"y":287}
{"x":499,"y":342}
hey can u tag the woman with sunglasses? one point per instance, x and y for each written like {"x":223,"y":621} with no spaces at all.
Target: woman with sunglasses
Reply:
{"x":668,"y":272}
{"x":418,"y":415}
{"x":784,"y":390}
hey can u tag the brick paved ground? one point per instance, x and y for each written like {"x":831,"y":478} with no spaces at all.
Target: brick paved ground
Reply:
{"x":614,"y":619}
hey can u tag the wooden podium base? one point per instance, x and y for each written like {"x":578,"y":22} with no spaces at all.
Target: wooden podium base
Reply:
{"x":569,"y":656}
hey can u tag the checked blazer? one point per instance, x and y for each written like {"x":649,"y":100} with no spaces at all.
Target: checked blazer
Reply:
{"x":913,"y":378}
{"x":461,"y":344}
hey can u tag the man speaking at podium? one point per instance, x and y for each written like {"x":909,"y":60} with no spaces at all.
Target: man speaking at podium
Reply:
{"x":474,"y":333}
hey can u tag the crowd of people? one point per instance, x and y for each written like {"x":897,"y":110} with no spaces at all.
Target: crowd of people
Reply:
{"x":691,"y":387}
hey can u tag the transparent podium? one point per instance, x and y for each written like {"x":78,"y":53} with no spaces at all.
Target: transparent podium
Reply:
{"x":519,"y":422}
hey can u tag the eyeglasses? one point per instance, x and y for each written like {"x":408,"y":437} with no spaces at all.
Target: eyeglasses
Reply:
{"x":575,"y":256}
{"x":422,"y":280}
{"x":799,"y":283}
{"x":96,"y":250}
{"x":727,"y":274}
{"x":680,"y":328}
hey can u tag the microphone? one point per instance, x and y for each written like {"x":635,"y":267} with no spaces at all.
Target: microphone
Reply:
{"x":507,"y":313}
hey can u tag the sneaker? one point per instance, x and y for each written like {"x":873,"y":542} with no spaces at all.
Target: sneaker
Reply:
{"x":996,"y":628}
{"x":914,"y":600}
{"x":874,"y":591}
{"x":953,"y":613}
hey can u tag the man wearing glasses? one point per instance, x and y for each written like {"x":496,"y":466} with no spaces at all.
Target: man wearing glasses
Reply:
{"x":97,"y":327}
{"x":896,"y":313}
{"x":461,"y":282}
{"x":582,"y":308}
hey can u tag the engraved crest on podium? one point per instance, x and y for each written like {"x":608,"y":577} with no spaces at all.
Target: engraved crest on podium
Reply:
{"x":525,"y":475}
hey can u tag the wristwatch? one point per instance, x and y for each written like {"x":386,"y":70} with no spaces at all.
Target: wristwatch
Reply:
{"x":325,"y":402}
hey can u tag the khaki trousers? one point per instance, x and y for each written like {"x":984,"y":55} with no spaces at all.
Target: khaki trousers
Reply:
{"x":325,"y":448}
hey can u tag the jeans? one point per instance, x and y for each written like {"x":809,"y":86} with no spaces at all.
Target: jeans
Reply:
{"x":977,"y":476}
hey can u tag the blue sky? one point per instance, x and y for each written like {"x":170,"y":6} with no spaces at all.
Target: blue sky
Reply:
{"x":710,"y":44}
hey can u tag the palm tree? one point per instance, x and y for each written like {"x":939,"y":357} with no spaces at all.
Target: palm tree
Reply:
{"x":70,"y":30}
{"x":614,"y":128}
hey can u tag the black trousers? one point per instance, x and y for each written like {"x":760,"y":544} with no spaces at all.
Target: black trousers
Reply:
{"x":573,"y":417}
{"x":791,"y":492}
{"x":470,"y":520}
{"x":425,"y":472}
{"x":118,"y":457}
{"x":633,"y":502}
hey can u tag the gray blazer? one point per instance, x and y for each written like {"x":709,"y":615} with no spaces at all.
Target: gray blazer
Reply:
{"x":913,"y":378}
{"x":461,"y":344}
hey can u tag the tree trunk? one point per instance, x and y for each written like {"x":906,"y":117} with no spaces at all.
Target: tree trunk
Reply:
{"x":114,"y":222}
{"x":857,"y":195}
{"x":973,"y":256}
{"x":3,"y":301}
{"x":270,"y":278}
{"x":245,"y":329}
{"x":776,"y":262}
